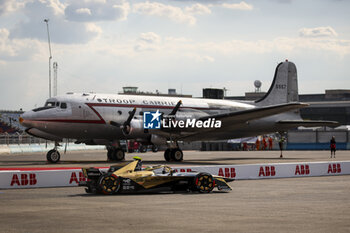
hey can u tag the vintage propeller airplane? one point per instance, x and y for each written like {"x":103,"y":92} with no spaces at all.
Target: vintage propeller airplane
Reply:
{"x":106,"y":119}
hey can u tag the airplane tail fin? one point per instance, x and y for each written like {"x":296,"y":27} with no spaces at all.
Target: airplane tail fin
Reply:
{"x":284,"y":87}
{"x":283,"y":90}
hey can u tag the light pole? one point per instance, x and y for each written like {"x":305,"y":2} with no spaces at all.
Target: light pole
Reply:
{"x":48,"y":38}
{"x":55,"y":66}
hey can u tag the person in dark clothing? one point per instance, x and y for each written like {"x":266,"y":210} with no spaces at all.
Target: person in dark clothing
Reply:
{"x":280,"y":143}
{"x":333,"y":146}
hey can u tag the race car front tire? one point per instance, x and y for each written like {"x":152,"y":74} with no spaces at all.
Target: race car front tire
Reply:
{"x":204,"y":182}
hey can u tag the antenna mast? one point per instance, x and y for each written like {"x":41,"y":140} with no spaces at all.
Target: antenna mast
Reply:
{"x":55,"y":67}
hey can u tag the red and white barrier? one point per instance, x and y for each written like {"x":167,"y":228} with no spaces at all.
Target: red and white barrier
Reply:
{"x":65,"y":177}
{"x":40,"y":178}
{"x":277,"y":170}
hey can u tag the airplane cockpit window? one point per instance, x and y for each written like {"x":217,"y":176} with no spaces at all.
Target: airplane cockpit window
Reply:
{"x":50,"y":104}
{"x":63,"y":105}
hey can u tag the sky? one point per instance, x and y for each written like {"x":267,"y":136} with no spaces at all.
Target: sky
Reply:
{"x":103,"y":45}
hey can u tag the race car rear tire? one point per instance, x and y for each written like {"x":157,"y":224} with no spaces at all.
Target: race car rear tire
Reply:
{"x":204,"y":182}
{"x":109,"y":184}
{"x":167,"y":155}
{"x":53,"y":156}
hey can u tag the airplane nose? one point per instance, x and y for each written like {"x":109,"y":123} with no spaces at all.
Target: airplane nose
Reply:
{"x":20,"y":119}
{"x":23,"y":119}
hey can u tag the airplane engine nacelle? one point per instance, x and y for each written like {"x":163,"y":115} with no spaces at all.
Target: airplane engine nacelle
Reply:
{"x":158,"y":140}
{"x":41,"y":134}
{"x":135,"y":128}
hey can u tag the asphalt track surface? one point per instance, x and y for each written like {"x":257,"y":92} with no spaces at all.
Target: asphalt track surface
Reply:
{"x":191,"y":158}
{"x":312,"y":204}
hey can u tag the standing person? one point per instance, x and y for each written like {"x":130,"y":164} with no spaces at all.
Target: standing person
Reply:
{"x":264,"y":143}
{"x":245,"y":146}
{"x":333,"y":146}
{"x":270,"y":143}
{"x":257,"y":144}
{"x":281,"y":145}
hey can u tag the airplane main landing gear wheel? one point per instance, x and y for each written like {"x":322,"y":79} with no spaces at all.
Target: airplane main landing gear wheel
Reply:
{"x":109,"y":184}
{"x":53,"y":156}
{"x":155,"y":148}
{"x":177,"y":155}
{"x":115,"y":154}
{"x":118,"y":155}
{"x":167,"y":155}
{"x":174,"y":154}
{"x":110,"y":154}
{"x":143,"y":149}
{"x":204,"y":183}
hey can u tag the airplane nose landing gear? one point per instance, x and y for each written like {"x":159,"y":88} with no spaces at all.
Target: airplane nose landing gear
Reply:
{"x":53,"y":156}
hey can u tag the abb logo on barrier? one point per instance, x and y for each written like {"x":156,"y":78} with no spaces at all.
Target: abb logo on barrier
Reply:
{"x":74,"y":177}
{"x":24,"y":179}
{"x":183,"y":170}
{"x":229,"y":172}
{"x":267,"y":171}
{"x":302,"y":170}
{"x":334,"y":168}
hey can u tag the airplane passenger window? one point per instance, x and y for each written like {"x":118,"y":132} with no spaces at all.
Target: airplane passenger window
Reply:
{"x":63,"y":105}
{"x":120,"y":112}
{"x":57,"y":104}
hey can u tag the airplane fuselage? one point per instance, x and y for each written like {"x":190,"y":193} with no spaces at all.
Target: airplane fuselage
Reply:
{"x":88,"y":116}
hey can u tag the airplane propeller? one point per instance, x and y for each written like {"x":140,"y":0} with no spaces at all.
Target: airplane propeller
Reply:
{"x":171,"y":115}
{"x":126,"y":125}
{"x":176,"y":108}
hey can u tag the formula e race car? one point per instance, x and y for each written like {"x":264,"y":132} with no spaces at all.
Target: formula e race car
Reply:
{"x":133,"y":179}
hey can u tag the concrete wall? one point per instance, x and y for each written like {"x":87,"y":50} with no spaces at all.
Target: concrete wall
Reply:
{"x":318,"y":136}
{"x":302,"y":137}
{"x":29,"y":148}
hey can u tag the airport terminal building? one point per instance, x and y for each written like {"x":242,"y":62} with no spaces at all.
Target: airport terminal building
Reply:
{"x":333,"y":105}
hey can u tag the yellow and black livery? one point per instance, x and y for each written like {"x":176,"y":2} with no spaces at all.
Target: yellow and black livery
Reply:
{"x":131,"y":178}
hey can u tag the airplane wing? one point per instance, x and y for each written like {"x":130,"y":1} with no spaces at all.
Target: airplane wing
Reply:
{"x":235,"y":120}
{"x":308,"y":123}
{"x":253,"y":114}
